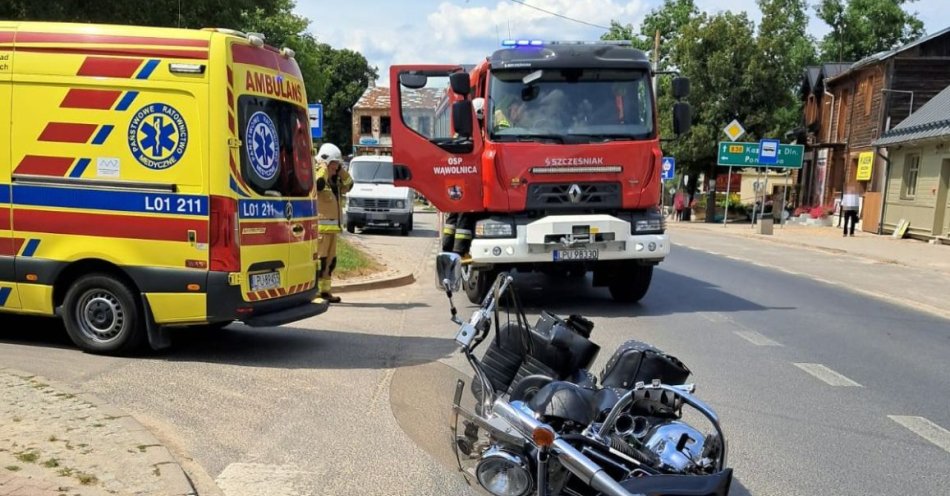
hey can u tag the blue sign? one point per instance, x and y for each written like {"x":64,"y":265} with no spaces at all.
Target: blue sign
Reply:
{"x":669,"y":167}
{"x":768,"y":151}
{"x":316,"y":120}
{"x":158,"y":136}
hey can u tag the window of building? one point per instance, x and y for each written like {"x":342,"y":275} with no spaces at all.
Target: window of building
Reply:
{"x":842,"y":123}
{"x":911,"y":171}
{"x":385,"y":126}
{"x":366,"y":124}
{"x":811,"y":110}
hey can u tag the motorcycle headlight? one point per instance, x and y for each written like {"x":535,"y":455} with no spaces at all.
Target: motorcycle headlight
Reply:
{"x":503,"y":474}
{"x":494,"y":228}
{"x":649,"y":225}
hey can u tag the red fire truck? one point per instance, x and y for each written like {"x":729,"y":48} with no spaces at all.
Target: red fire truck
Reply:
{"x":554,"y":149}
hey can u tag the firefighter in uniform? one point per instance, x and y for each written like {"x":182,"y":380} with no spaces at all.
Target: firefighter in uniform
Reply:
{"x":332,"y":183}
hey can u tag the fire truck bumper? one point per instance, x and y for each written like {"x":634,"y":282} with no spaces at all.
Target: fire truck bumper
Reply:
{"x":572,"y":238}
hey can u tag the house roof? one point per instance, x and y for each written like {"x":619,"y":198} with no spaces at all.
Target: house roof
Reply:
{"x":377,"y":97}
{"x":930,"y":121}
{"x":882,"y":56}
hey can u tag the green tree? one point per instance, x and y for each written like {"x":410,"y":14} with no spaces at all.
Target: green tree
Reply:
{"x":335,"y":77}
{"x":860,"y":28}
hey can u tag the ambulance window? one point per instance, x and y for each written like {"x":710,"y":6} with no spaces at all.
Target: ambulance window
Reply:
{"x":276,"y":146}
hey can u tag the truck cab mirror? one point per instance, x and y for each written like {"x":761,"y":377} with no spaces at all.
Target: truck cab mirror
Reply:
{"x":680,"y":87}
{"x":460,"y":83}
{"x":413,"y":81}
{"x":462,"y":118}
{"x":682,"y":118}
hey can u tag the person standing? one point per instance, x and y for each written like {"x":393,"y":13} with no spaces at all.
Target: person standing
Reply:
{"x":332,"y":183}
{"x":850,"y":203}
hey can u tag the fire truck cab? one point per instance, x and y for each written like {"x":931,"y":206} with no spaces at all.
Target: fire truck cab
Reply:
{"x":551,"y":149}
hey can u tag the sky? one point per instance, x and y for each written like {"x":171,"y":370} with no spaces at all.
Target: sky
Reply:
{"x":466,"y":31}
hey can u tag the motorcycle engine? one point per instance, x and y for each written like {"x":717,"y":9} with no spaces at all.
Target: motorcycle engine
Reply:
{"x":679,"y":447}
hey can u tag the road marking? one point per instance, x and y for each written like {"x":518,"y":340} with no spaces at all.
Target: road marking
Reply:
{"x":258,"y":479}
{"x":827,"y":375}
{"x":756,"y":338}
{"x":925,"y":429}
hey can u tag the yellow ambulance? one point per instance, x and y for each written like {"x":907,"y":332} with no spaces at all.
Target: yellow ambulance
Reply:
{"x":152,"y":178}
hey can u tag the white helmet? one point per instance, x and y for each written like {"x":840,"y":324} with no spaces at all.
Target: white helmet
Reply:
{"x":479,"y":105}
{"x":330,"y":153}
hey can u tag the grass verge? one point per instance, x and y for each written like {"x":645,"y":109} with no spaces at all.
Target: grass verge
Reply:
{"x":352,"y":262}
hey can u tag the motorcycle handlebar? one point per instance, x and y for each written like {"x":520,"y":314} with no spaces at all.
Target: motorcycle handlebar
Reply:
{"x":517,"y":414}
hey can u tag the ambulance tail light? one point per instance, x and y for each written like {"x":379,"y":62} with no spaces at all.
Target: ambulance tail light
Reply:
{"x":225,"y":237}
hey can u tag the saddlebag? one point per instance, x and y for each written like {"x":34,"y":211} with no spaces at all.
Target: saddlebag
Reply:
{"x":635,"y":361}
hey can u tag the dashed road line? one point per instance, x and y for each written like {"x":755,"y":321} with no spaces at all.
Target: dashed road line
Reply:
{"x":757,"y":338}
{"x":827,"y":375}
{"x":925,"y":429}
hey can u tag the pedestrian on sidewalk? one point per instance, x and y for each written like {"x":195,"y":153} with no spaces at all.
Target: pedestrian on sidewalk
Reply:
{"x":332,"y":183}
{"x":850,"y":203}
{"x":679,"y":204}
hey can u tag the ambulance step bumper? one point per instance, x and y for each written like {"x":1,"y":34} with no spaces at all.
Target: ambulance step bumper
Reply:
{"x":287,"y":316}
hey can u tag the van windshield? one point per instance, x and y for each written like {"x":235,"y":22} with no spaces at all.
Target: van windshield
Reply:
{"x":376,"y":172}
{"x":276,"y":150}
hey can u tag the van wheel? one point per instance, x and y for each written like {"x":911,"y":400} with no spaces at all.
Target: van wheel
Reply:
{"x":102,"y":315}
{"x":350,"y":227}
{"x":404,"y":229}
{"x":410,"y":222}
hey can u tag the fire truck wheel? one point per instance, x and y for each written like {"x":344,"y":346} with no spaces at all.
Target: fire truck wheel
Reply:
{"x":102,"y":315}
{"x":631,"y":284}
{"x":477,"y":284}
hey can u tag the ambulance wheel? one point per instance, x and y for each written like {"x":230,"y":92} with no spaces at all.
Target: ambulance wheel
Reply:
{"x":102,"y":315}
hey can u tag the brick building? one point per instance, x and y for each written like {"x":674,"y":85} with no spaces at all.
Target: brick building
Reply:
{"x":372,"y":122}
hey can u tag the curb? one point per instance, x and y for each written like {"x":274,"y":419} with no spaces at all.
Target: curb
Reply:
{"x":174,"y":478}
{"x":381,"y":283}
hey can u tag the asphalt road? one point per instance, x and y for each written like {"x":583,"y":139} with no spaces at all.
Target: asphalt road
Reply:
{"x":356,"y":401}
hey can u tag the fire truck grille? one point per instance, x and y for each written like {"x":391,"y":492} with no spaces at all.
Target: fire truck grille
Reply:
{"x":574,"y":196}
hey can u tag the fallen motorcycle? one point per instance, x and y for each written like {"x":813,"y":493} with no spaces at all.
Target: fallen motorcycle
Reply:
{"x":542,"y":424}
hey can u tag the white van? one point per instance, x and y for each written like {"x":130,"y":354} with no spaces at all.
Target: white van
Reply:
{"x":374,"y":201}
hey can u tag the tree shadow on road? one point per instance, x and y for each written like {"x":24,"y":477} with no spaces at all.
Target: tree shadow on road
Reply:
{"x":280,"y":347}
{"x":670,"y":293}
{"x":295,"y":348}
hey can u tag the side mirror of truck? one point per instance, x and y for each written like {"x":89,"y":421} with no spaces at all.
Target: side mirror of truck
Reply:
{"x":680,"y":87}
{"x":413,"y":81}
{"x":462,"y":118}
{"x":682,"y":118}
{"x":460,"y":83}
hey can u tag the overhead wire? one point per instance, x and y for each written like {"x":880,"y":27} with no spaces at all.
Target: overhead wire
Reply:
{"x":562,"y":16}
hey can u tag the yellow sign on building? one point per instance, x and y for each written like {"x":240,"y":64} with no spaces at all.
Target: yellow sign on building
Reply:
{"x":865,"y":163}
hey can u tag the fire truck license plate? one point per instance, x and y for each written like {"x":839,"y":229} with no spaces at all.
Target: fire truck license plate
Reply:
{"x":260,"y":282}
{"x":571,"y":255}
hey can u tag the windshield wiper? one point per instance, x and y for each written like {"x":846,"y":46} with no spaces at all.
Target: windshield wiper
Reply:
{"x":530,"y":137}
{"x":611,"y":137}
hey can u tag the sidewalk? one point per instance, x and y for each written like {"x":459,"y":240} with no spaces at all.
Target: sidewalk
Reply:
{"x":906,"y":272}
{"x":886,"y":249}
{"x":58,"y":441}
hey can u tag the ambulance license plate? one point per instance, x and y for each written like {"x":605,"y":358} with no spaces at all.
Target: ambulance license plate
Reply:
{"x":269,"y":280}
{"x":572,"y":255}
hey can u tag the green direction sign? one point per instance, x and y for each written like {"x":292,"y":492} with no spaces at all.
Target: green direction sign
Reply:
{"x":736,"y":154}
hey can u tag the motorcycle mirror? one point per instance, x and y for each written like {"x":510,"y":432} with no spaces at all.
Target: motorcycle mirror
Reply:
{"x":448,"y":272}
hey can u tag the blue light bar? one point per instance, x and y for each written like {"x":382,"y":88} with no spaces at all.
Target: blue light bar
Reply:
{"x":522,"y":43}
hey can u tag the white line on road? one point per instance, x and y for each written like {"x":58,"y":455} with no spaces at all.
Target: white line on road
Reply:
{"x":827,"y":375}
{"x":925,"y":429}
{"x":756,"y":338}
